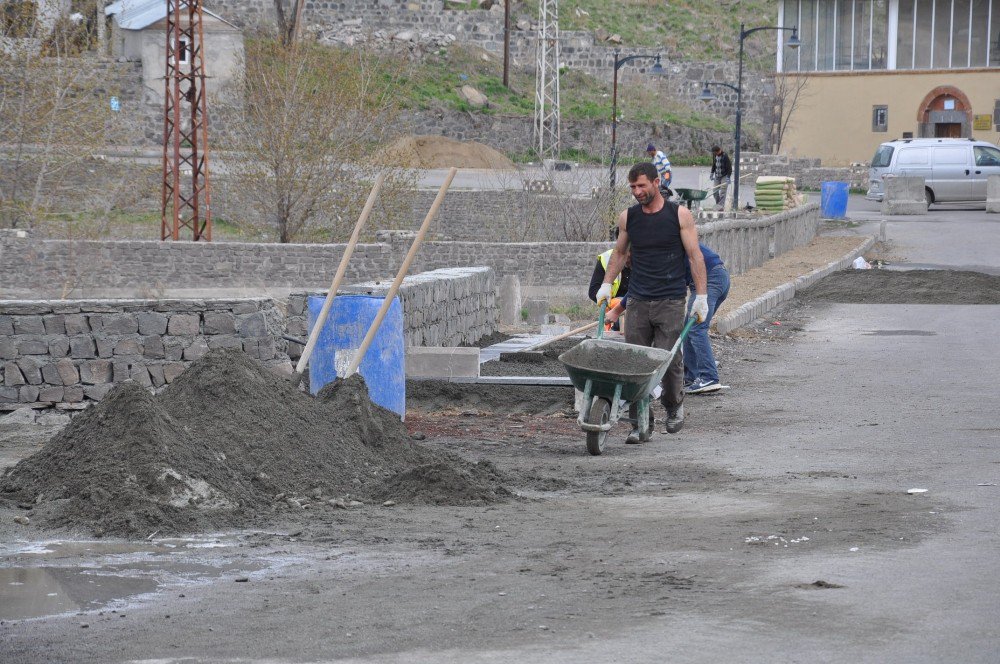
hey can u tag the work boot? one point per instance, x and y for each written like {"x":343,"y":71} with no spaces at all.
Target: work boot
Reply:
{"x":675,"y":419}
{"x":633,"y":437}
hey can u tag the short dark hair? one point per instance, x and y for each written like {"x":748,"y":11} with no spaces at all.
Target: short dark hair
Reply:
{"x":716,"y":148}
{"x":643,"y":168}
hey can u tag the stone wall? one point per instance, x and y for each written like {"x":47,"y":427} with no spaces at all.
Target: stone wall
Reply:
{"x":808,"y":173}
{"x":31,"y":268}
{"x":69,"y":352}
{"x":447,"y":307}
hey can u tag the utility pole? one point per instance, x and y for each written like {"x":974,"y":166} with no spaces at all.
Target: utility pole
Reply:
{"x":547,"y":114}
{"x":186,"y":203}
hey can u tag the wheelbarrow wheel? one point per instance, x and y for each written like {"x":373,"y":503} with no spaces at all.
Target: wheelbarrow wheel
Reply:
{"x":600,"y":413}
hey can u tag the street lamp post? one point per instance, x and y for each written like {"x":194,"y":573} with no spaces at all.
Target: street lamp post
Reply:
{"x":793,"y":42}
{"x":657,"y":70}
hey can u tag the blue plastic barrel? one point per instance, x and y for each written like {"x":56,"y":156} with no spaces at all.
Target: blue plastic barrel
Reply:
{"x":382,"y":368}
{"x":833,"y":199}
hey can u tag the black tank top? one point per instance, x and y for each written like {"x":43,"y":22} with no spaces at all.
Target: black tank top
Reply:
{"x":658,"y":265}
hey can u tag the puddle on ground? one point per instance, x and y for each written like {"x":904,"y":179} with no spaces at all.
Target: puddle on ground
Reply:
{"x":33,"y":592}
{"x":104,"y":574}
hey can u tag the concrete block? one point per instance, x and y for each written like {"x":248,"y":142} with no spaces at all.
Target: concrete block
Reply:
{"x":554,"y":329}
{"x":904,"y":195}
{"x":426,"y":362}
{"x":538,"y":310}
{"x":510,"y":300}
{"x":993,"y":193}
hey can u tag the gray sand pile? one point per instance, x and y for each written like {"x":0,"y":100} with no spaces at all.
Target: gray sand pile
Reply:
{"x":906,"y":287}
{"x":222,"y":446}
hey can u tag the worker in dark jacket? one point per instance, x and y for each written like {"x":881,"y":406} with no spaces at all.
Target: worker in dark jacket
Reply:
{"x":722,"y":170}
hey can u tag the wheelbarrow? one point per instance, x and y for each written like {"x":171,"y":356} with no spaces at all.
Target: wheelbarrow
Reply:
{"x":613,"y":375}
{"x":689,"y":196}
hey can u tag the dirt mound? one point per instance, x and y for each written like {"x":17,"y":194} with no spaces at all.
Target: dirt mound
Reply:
{"x":441,"y":152}
{"x":446,"y":484}
{"x":443,"y":396}
{"x":222,"y":447}
{"x":906,"y":287}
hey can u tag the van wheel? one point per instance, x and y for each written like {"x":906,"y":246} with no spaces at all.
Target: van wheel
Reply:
{"x":928,"y":196}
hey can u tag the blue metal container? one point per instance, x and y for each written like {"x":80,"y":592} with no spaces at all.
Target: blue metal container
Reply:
{"x":833,"y":199}
{"x":383,"y":367}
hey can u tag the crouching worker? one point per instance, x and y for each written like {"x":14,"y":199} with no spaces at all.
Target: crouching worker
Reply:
{"x":619,"y":287}
{"x":701,"y":375}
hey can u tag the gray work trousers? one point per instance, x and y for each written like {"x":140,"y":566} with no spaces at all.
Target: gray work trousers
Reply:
{"x":658,"y":323}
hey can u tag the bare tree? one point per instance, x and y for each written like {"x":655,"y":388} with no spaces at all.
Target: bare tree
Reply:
{"x":788,"y":91}
{"x":52,"y":112}
{"x":306,"y":123}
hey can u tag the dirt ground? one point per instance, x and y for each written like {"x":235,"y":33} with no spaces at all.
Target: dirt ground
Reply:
{"x":587,"y":548}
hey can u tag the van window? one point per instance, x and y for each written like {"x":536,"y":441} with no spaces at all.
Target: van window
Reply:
{"x":913,"y":157}
{"x":987,"y":156}
{"x":951,"y":156}
{"x":883,"y":156}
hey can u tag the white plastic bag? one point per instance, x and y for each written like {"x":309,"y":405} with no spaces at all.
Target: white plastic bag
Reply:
{"x":861,"y":264}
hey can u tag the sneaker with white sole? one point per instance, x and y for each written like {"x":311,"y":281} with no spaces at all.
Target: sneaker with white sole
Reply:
{"x":703,"y":387}
{"x":675,"y":419}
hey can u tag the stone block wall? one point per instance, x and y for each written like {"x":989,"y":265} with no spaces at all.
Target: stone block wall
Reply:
{"x":808,"y":173}
{"x":65,"y":353}
{"x":32,"y":268}
{"x":447,"y":307}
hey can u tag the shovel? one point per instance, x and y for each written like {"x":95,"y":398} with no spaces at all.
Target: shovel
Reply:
{"x":332,"y":293}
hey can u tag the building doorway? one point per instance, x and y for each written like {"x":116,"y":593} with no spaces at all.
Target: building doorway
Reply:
{"x":948,"y":130}
{"x":945,"y":113}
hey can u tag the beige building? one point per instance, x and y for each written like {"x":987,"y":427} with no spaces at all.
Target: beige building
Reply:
{"x":876,"y":70}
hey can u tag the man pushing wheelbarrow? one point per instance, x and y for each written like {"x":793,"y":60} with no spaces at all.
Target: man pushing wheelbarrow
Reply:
{"x":661,"y":235}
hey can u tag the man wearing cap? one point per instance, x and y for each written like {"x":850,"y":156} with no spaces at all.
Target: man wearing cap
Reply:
{"x":662,"y":167}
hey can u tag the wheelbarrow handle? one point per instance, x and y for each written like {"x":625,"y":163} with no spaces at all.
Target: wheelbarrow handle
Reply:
{"x":600,"y":319}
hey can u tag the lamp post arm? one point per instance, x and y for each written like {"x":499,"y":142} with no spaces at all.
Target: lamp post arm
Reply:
{"x":746,"y":33}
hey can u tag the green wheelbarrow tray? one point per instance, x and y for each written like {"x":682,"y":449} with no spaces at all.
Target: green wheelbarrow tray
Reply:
{"x":689,"y":196}
{"x":615,"y":369}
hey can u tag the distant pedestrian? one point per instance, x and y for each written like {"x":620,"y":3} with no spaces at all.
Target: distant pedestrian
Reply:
{"x":722,"y":171}
{"x":662,"y":164}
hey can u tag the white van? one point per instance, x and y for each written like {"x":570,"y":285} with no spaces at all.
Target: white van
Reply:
{"x":953,"y":169}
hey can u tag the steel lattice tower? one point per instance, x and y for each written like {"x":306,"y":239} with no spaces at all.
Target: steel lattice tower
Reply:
{"x":186,"y":204}
{"x":547,"y":115}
